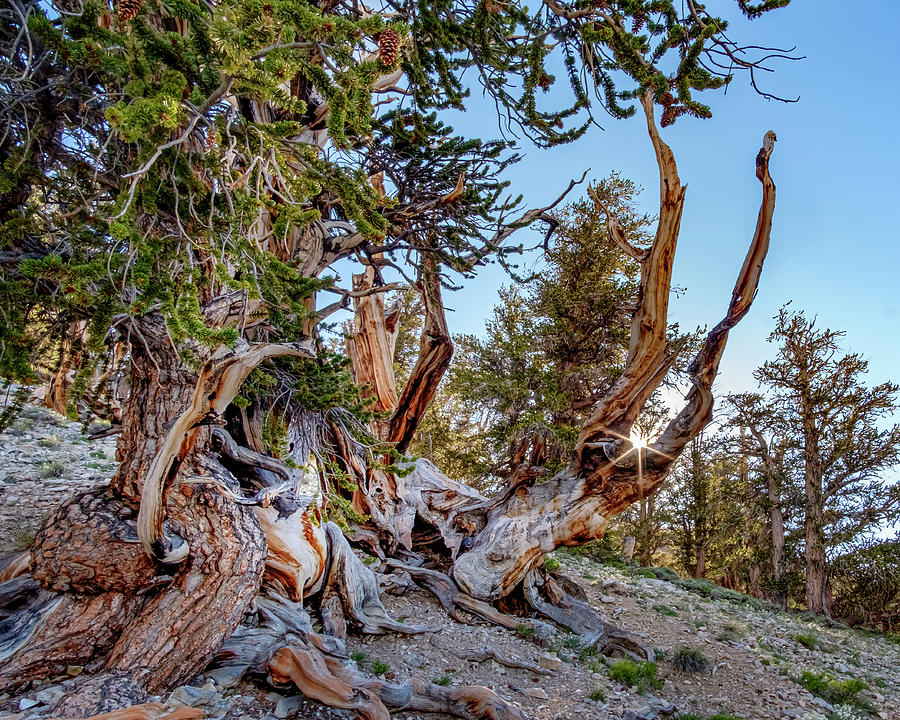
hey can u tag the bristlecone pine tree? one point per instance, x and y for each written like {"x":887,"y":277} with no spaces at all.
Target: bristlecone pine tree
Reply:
{"x":176,"y":188}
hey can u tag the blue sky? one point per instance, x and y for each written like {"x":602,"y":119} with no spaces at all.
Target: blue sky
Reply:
{"x":835,"y":243}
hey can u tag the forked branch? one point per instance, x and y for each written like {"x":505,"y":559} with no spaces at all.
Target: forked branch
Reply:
{"x":219,"y":382}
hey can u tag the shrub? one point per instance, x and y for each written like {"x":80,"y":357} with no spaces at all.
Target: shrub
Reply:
{"x":732,"y":631}
{"x":443,"y":681}
{"x":552,"y":564}
{"x":379,"y":667}
{"x":525,"y":631}
{"x":641,"y":675}
{"x":665,"y":573}
{"x":834,"y":691}
{"x":597,"y":694}
{"x":807,"y":641}
{"x":690,"y":660}
{"x":665,"y":610}
{"x":52,"y":469}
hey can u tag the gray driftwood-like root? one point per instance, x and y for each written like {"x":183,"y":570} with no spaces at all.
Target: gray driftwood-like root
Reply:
{"x":488,"y":653}
{"x":546,"y":597}
{"x":336,"y":683}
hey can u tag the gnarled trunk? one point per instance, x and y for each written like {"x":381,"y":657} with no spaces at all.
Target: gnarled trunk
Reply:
{"x":150,"y":576}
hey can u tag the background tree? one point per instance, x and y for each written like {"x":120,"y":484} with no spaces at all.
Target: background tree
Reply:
{"x":821,"y":396}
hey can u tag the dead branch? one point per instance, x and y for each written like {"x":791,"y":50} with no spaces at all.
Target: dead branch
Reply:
{"x":488,"y":653}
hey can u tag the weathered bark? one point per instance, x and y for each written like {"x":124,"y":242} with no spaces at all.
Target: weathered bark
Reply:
{"x":435,"y":353}
{"x":69,"y":362}
{"x":335,"y":683}
{"x":127,"y":604}
{"x":371,"y":346}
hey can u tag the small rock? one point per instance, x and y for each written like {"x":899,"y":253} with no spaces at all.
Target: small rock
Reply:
{"x":74,"y":670}
{"x":536,"y":693}
{"x":26,"y":703}
{"x":608,"y":599}
{"x":823,"y":704}
{"x":549,"y":661}
{"x":190,"y":696}
{"x":288,"y":706}
{"x":50,"y":695}
{"x":226,"y":677}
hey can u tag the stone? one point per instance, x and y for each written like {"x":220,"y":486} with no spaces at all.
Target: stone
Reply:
{"x":536,"y":693}
{"x":288,"y":706}
{"x":50,"y":695}
{"x":190,"y":696}
{"x":549,"y":661}
{"x":823,"y":704}
{"x":26,"y":703}
{"x":227,"y":677}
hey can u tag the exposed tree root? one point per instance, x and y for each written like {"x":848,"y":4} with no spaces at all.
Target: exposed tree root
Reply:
{"x":546,"y":597}
{"x":144,"y":711}
{"x":11,"y":566}
{"x":452,"y":599}
{"x":336,"y":684}
{"x":352,"y":591}
{"x":489,"y":653}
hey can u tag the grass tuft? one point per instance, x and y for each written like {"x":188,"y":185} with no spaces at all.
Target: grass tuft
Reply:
{"x":640,"y":675}
{"x":690,"y":660}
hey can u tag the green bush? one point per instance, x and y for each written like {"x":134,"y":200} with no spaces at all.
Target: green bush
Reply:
{"x":665,"y":573}
{"x":834,"y":691}
{"x":807,"y":641}
{"x":379,"y":667}
{"x":552,"y":564}
{"x":690,"y":660}
{"x":641,"y":675}
{"x":525,"y":631}
{"x":597,"y":694}
{"x":665,"y":610}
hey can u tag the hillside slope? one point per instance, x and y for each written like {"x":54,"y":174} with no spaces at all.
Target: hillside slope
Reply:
{"x":759,"y":664}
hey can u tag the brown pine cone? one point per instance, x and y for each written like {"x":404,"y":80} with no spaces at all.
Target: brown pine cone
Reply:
{"x":128,"y":9}
{"x":388,"y":46}
{"x":667,"y":99}
{"x":544,"y":82}
{"x":668,"y":116}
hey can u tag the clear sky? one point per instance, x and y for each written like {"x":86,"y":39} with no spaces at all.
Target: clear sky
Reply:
{"x":835,"y":243}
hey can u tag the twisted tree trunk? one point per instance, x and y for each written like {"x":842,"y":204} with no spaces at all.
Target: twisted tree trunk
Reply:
{"x":151,"y":575}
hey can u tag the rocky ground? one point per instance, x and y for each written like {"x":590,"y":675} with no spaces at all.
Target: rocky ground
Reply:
{"x":755,"y":658}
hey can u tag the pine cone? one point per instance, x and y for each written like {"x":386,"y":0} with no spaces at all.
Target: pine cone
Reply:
{"x":544,"y":82}
{"x":388,"y":46}
{"x":667,"y":98}
{"x":128,"y":9}
{"x":668,"y":116}
{"x":637,"y":24}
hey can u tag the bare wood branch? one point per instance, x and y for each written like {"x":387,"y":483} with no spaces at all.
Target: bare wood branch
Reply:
{"x":435,"y":353}
{"x":698,"y":410}
{"x":489,"y":653}
{"x":216,"y":387}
